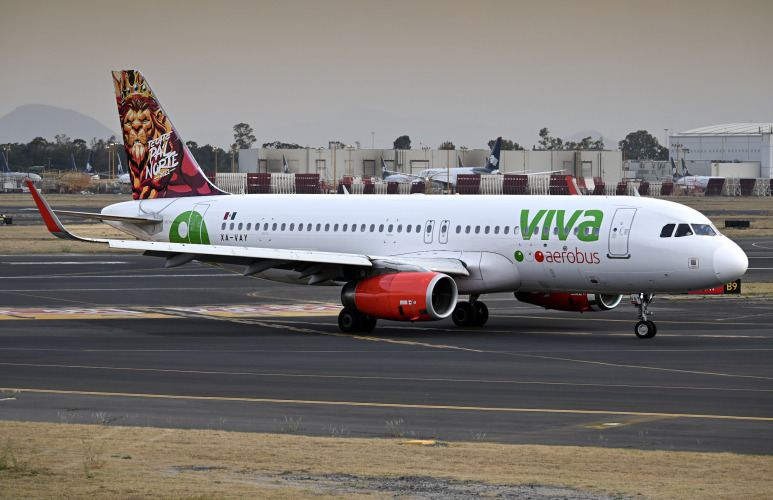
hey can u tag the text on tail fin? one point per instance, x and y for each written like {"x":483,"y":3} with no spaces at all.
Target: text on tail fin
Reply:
{"x":159,"y":162}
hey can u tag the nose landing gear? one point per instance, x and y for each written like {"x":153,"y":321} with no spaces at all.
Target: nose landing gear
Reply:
{"x":644,"y":329}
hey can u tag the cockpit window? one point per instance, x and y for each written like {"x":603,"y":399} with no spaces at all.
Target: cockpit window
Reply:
{"x":704,"y":230}
{"x":667,"y":230}
{"x":682,"y":230}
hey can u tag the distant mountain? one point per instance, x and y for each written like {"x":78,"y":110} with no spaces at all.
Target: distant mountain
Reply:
{"x":39,"y":120}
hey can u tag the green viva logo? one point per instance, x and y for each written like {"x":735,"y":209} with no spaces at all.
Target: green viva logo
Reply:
{"x":547,"y":219}
{"x":189,"y":227}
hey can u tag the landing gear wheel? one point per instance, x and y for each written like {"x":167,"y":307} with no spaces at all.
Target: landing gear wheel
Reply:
{"x":481,"y":313}
{"x":645,"y":329}
{"x":367,"y":323}
{"x":464,"y":314}
{"x":348,"y":321}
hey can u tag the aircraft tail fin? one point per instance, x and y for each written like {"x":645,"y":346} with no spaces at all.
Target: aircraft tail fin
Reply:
{"x":284,"y":162}
{"x":493,"y":159}
{"x":120,"y":167}
{"x":673,"y":169}
{"x":72,"y":162}
{"x":6,"y":170}
{"x":459,"y":159}
{"x":89,"y":165}
{"x":686,"y":172}
{"x":384,"y":171}
{"x":160,"y":164}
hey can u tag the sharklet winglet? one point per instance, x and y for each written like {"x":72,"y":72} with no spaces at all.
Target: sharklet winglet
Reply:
{"x":53,"y":223}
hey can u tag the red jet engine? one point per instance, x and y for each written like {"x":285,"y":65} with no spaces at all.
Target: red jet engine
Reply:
{"x":407,"y":296}
{"x":571,"y":301}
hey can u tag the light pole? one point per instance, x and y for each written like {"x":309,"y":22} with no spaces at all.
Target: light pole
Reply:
{"x":216,"y":161}
{"x":426,"y":165}
{"x":373,"y":143}
{"x":319,"y":160}
{"x":350,"y":148}
{"x":463,"y":150}
{"x":448,"y":171}
{"x":335,"y":167}
{"x":233,"y":158}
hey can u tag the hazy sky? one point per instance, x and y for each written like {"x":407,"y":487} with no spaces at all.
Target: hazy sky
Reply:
{"x":309,"y":71}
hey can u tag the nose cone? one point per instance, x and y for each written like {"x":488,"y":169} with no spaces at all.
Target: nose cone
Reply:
{"x":730,"y":262}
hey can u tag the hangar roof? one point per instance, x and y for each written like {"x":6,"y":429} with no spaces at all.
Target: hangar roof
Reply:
{"x":731,"y":129}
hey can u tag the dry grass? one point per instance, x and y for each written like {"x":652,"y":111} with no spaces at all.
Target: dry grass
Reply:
{"x":77,"y":461}
{"x":36,"y":239}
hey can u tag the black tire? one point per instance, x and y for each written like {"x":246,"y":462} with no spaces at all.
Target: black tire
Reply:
{"x":367,"y":323}
{"x":645,"y":329}
{"x":464,"y":314}
{"x":481,"y":314}
{"x":348,"y":321}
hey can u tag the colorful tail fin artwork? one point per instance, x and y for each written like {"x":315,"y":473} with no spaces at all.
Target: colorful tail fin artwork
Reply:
{"x":89,"y":166}
{"x":6,"y":170}
{"x":159,"y":162}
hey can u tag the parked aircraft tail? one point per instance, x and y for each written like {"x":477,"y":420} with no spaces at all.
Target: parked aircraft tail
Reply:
{"x":459,"y":159}
{"x":159,"y":161}
{"x":492,"y":165}
{"x":120,"y":167}
{"x":72,"y":162}
{"x":7,"y":170}
{"x":384,"y":171}
{"x":685,"y":172}
{"x":674,"y":173}
{"x":284,"y":162}
{"x":89,"y":165}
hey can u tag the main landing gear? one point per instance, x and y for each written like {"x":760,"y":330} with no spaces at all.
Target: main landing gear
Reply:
{"x":354,"y":321}
{"x":472,"y":313}
{"x":644,"y":329}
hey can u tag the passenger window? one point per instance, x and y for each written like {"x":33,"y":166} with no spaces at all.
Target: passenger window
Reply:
{"x":389,"y":229}
{"x":418,"y":228}
{"x":467,"y":230}
{"x":240,"y":226}
{"x":292,"y":226}
{"x":487,"y":229}
{"x":555,"y":230}
{"x":327,"y":227}
{"x":308,"y":227}
{"x":300,"y":227}
{"x":516,"y":229}
{"x":354,"y":228}
{"x":283,"y":226}
{"x":477,"y":229}
{"x":381,"y":228}
{"x":443,"y":228}
{"x":346,"y":226}
{"x":682,"y":230}
{"x":232,"y":226}
{"x":546,"y":231}
{"x":506,"y":230}
{"x":408,"y":228}
{"x":249,"y":226}
{"x":335,"y":228}
{"x":372,"y":227}
{"x":222,"y":228}
{"x":429,"y":228}
{"x":319,"y":226}
{"x":576,"y":231}
{"x":362,"y":228}
{"x":667,"y":230}
{"x":496,"y":229}
{"x":458,"y":229}
{"x":399,"y":228}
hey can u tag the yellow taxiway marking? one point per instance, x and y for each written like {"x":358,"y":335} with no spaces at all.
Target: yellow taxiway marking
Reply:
{"x":374,"y":377}
{"x":391,"y":405}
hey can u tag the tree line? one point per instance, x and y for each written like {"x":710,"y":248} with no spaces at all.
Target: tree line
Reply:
{"x":39,"y":153}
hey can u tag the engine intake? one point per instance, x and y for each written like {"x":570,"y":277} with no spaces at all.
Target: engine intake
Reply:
{"x":408,"y":296}
{"x":571,"y":301}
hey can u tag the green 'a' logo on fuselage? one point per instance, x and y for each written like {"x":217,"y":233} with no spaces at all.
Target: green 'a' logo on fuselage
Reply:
{"x":587,"y":229}
{"x":189,"y":227}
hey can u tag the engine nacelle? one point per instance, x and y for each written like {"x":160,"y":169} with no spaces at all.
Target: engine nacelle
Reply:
{"x":571,"y":301}
{"x":407,"y":296}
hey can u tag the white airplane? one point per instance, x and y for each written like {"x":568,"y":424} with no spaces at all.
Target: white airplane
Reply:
{"x":687,"y":179}
{"x":8,"y":174}
{"x":122,"y":178}
{"x":441,"y":177}
{"x":408,"y":258}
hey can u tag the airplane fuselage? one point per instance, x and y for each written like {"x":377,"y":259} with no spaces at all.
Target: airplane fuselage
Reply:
{"x":534,"y":243}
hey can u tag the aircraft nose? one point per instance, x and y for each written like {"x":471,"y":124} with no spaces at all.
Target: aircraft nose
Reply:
{"x":730,"y":262}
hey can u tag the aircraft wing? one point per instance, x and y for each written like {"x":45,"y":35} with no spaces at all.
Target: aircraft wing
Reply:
{"x":133,"y":220}
{"x":325,"y":265}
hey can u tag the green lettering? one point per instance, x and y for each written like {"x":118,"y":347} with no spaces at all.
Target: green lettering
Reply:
{"x":528,"y":227}
{"x":594,"y":225}
{"x":564,"y":230}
